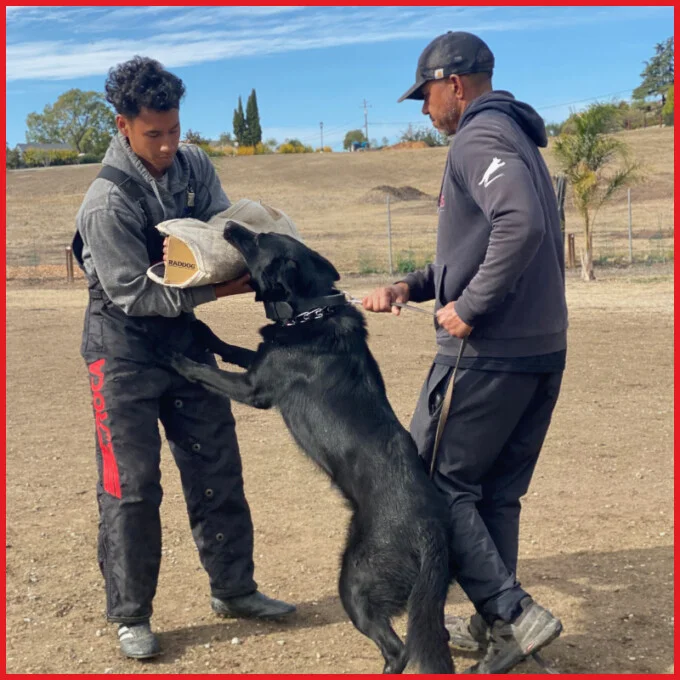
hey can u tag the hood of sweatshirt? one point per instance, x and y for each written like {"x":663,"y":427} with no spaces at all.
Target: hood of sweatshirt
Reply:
{"x":523,"y":114}
{"x":120,"y":155}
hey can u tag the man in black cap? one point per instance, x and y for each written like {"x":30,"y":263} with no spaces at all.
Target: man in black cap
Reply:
{"x":501,"y":318}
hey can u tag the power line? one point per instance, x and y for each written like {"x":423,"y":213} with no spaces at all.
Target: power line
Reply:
{"x":345,"y":126}
{"x":538,"y":108}
{"x":327,"y":132}
{"x":588,"y":99}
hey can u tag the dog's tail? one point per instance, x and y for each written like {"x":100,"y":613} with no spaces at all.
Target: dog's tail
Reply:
{"x":427,"y":641}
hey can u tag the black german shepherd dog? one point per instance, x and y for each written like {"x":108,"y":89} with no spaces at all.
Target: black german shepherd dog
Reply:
{"x":316,"y":368}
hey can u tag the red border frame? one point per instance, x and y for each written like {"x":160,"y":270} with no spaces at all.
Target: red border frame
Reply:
{"x":180,"y":4}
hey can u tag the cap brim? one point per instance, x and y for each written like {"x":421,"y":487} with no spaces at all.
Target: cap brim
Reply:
{"x":414,"y":92}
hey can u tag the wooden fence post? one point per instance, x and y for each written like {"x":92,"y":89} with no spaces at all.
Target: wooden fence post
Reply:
{"x":389,"y":234}
{"x":571,"y":256}
{"x":69,"y":264}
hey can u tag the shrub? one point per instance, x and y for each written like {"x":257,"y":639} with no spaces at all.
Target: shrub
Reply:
{"x":430,"y":136}
{"x":406,"y":262}
{"x":212,"y":151}
{"x":294,"y":146}
{"x":89,"y":158}
{"x":35,"y":158}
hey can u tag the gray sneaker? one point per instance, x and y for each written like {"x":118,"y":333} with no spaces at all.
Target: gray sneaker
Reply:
{"x":510,"y":643}
{"x":137,"y":641}
{"x":471,"y":635}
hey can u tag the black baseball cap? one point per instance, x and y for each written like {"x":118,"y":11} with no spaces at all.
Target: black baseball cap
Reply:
{"x":453,"y":52}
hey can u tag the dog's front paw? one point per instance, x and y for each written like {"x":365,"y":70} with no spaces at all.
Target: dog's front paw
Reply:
{"x":183,"y":366}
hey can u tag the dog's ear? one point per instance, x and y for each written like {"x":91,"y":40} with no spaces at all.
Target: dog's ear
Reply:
{"x":324,"y":269}
{"x":310,"y":276}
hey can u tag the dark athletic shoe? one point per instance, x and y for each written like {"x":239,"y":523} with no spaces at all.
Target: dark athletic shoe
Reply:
{"x":255,"y":606}
{"x":511,"y":643}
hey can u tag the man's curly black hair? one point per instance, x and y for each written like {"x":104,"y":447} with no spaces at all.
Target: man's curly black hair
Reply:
{"x":142,"y":82}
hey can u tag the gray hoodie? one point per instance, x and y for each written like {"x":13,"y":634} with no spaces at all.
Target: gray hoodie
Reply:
{"x":499,"y":247}
{"x":112,"y":228}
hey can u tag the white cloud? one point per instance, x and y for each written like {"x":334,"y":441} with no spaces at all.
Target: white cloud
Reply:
{"x":206,"y":16}
{"x":229,"y":32}
{"x":63,"y":60}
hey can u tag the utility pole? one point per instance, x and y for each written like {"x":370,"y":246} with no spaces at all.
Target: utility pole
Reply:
{"x":321,"y":125}
{"x":366,"y":107}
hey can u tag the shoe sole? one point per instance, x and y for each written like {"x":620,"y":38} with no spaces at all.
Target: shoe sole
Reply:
{"x":263,"y":617}
{"x":141,"y":656}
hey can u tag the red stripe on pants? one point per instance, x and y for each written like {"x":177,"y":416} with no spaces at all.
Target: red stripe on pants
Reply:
{"x":110,"y":476}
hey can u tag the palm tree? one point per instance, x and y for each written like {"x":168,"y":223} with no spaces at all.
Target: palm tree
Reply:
{"x":597,"y":166}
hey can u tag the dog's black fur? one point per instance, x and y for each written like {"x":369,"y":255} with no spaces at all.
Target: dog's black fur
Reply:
{"x":328,"y":387}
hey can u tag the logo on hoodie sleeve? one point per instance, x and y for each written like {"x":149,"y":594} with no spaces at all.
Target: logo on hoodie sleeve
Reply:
{"x":495,"y":165}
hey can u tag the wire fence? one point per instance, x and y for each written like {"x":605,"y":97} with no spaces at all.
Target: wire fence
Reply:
{"x":400,"y":236}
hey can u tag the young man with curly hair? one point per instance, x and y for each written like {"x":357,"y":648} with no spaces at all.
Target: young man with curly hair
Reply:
{"x":148,"y":177}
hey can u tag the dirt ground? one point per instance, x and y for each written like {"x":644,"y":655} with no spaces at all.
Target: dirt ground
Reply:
{"x":597,"y":532}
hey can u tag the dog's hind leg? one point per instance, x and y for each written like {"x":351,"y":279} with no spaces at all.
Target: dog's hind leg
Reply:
{"x":368,"y":619}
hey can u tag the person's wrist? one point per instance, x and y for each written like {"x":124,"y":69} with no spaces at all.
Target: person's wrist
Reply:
{"x":402,"y":288}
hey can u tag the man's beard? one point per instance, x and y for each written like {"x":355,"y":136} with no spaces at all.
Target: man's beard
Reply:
{"x":449,"y":124}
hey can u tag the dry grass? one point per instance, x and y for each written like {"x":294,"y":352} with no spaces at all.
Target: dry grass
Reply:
{"x":332,"y":198}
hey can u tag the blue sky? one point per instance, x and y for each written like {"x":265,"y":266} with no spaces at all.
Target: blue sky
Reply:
{"x":318,"y":64}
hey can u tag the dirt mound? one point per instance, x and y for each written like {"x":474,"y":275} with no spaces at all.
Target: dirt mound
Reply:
{"x":406,"y":193}
{"x":408,"y":145}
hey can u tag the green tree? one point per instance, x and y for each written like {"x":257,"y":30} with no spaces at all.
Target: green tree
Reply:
{"x":239,"y":123}
{"x":430,"y":136}
{"x":253,"y":128}
{"x":353,"y":136}
{"x":81,"y":119}
{"x":658,"y":74}
{"x":225,"y":139}
{"x":596,"y":166}
{"x":12,"y":157}
{"x":195,"y":138}
{"x":669,"y":106}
